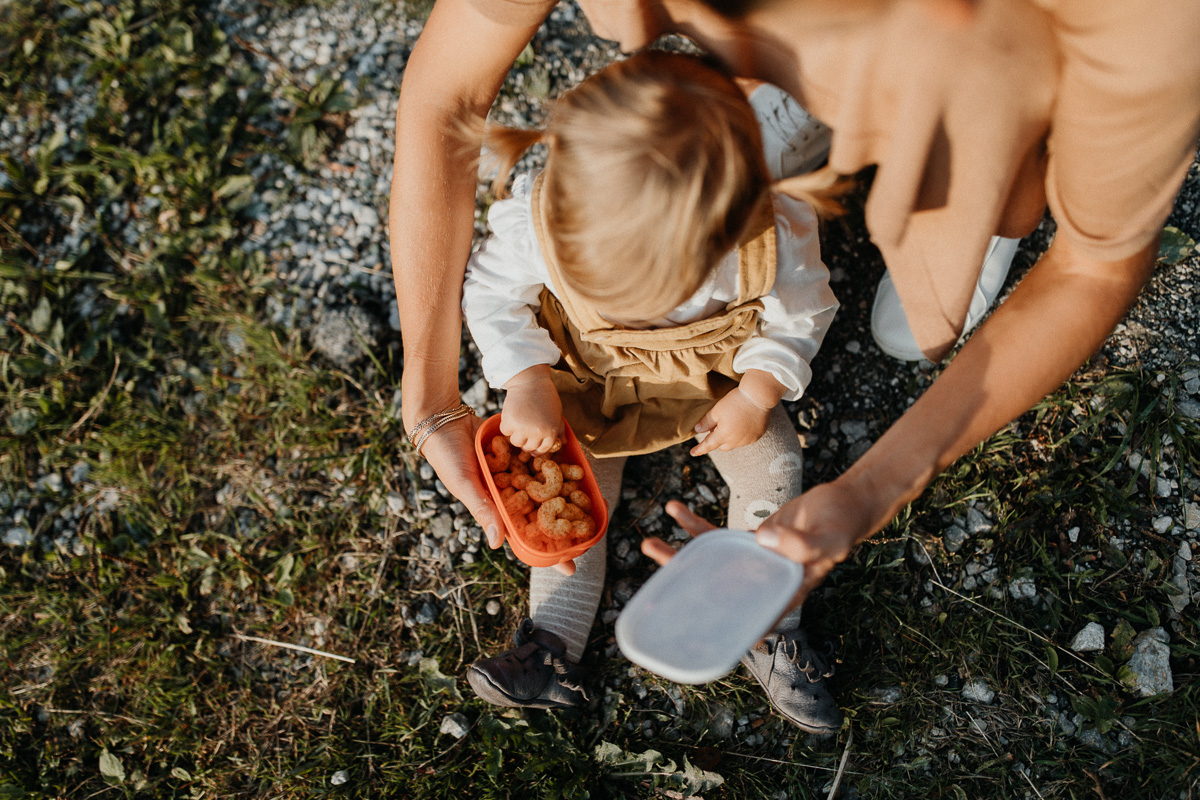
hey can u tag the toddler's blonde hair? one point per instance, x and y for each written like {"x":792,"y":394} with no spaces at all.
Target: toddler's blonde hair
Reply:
{"x":654,"y":172}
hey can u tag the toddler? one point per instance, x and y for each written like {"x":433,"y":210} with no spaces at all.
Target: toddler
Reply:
{"x":652,"y":284}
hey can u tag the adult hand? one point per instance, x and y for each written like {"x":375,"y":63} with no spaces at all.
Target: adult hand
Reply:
{"x":735,"y":421}
{"x":451,"y":453}
{"x":817,"y":529}
{"x":660,"y":551}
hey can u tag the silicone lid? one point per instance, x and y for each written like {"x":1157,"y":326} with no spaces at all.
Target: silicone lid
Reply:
{"x":572,"y":453}
{"x":706,"y":607}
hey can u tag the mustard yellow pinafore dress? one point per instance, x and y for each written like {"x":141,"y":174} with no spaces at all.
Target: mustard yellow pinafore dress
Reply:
{"x":631,"y":391}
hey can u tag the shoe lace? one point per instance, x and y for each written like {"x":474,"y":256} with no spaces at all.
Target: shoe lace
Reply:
{"x":816,"y":665}
{"x":567,"y":673}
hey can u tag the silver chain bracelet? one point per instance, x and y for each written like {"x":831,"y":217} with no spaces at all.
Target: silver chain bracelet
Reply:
{"x":430,"y":425}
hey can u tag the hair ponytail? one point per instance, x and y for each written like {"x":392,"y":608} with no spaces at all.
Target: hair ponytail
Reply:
{"x":497,"y":147}
{"x":823,"y":189}
{"x":503,"y":148}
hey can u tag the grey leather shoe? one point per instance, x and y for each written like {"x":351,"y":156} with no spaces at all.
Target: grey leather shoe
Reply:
{"x":535,"y":673}
{"x":794,"y":676}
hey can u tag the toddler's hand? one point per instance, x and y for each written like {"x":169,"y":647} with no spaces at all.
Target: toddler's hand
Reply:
{"x":733,"y":422}
{"x":532,"y":418}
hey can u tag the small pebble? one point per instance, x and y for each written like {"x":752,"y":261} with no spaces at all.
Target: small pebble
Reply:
{"x":977,"y":691}
{"x":455,"y":725}
{"x":1089,"y":639}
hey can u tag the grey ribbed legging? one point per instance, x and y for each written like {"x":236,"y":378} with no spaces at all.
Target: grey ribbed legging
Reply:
{"x":761,"y":476}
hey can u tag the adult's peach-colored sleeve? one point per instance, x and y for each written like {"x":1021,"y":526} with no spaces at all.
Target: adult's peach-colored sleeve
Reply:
{"x":1126,"y":119}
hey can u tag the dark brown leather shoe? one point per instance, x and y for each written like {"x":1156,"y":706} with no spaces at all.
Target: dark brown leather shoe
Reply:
{"x":535,"y":673}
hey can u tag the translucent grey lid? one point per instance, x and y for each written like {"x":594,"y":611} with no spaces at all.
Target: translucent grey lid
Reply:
{"x":706,"y":607}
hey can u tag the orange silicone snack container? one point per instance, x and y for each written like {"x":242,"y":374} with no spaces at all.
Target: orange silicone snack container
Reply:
{"x":572,"y":452}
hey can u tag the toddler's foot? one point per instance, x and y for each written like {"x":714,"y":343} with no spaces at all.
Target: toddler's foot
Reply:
{"x":535,"y":673}
{"x":795,"y":677}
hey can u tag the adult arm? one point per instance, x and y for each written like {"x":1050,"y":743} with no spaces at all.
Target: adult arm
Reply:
{"x":453,"y":75}
{"x":1054,"y":320}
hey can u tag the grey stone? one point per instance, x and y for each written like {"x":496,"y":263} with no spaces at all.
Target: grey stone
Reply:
{"x":722,"y":723}
{"x":1151,"y":663}
{"x":888,"y":694}
{"x":477,"y":396}
{"x":396,"y":503}
{"x":339,"y":777}
{"x":1188,"y":407}
{"x":1089,"y":639}
{"x":1162,"y":524}
{"x":426,"y":614}
{"x":52,"y":483}
{"x":79,"y":472}
{"x":492,"y":607}
{"x":977,"y":691}
{"x":978,"y":522}
{"x":954,"y":538}
{"x":1022,"y":588}
{"x":455,"y":725}
{"x":1139,"y":463}
{"x":1090,"y":737}
{"x":854,"y":430}
{"x":1191,"y":516}
{"x":1179,"y":577}
{"x":18,"y":536}
{"x":344,"y":335}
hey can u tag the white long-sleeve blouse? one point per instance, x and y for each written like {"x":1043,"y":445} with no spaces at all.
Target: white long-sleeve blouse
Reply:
{"x":505,"y":278}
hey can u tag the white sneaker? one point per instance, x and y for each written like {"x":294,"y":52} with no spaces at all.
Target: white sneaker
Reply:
{"x":890,"y":327}
{"x":794,"y":141}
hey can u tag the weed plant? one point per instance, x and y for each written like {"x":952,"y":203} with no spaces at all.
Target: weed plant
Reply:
{"x":224,"y":484}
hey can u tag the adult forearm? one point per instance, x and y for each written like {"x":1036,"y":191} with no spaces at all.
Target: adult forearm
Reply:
{"x":1054,"y":320}
{"x":430,"y":224}
{"x":450,"y":82}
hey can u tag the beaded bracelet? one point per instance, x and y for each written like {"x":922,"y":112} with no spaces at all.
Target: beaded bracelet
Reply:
{"x":430,"y":425}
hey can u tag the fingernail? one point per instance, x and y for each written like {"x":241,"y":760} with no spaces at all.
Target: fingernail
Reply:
{"x":493,"y":536}
{"x":767,"y":538}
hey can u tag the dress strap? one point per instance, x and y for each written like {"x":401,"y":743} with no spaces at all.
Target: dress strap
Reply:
{"x":756,"y":257}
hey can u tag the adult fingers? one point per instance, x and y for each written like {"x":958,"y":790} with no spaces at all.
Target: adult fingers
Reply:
{"x":566,"y":568}
{"x":451,"y":453}
{"x":693,"y":524}
{"x":657,"y":550}
{"x":788,"y":542}
{"x":660,"y":551}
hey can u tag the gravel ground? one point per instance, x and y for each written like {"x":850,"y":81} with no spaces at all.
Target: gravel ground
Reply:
{"x":325,"y":234}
